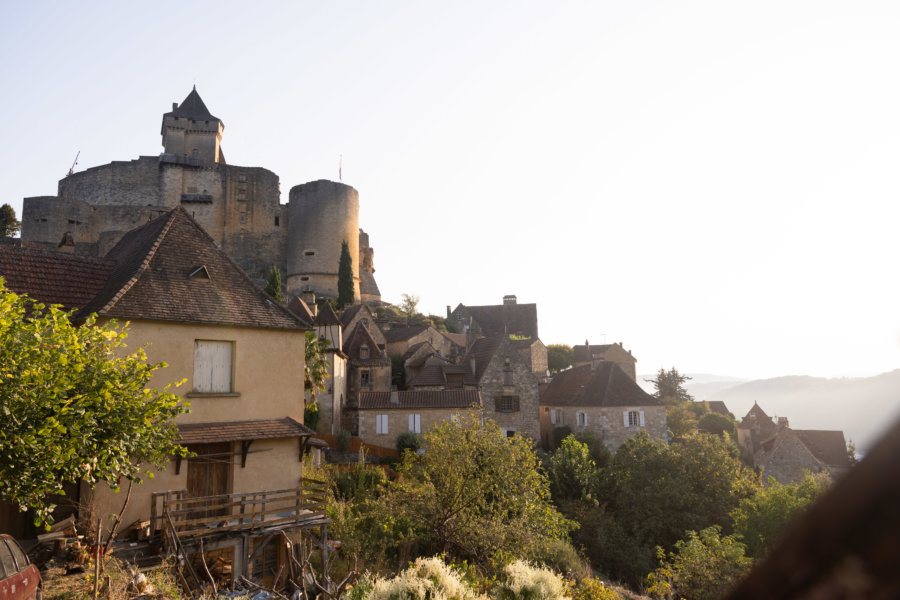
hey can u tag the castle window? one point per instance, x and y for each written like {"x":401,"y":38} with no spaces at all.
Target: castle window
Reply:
{"x":242,"y":178}
{"x":309,"y":253}
{"x":304,"y":278}
{"x":276,"y":221}
{"x":243,"y":217}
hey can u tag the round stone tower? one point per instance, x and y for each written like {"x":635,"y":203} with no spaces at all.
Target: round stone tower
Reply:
{"x":321,"y":215}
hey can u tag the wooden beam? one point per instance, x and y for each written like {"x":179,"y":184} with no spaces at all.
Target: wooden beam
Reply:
{"x":245,"y":447}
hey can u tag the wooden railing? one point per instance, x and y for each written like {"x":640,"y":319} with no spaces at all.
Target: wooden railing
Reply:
{"x":192,"y":517}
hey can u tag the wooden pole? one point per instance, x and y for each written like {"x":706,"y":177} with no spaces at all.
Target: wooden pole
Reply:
{"x":97,"y":548}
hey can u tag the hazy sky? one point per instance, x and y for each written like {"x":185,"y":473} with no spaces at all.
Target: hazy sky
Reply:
{"x":712,"y":183}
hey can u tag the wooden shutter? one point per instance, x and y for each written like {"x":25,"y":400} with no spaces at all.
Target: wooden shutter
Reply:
{"x":625,"y":417}
{"x":642,"y":418}
{"x":212,"y":366}
{"x":415,"y":423}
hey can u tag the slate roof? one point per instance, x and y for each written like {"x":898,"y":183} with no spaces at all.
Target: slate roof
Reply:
{"x":717,"y":406}
{"x":326,"y":315}
{"x":520,"y":319}
{"x":358,"y":337}
{"x":52,"y":277}
{"x":457,"y":338}
{"x":193,"y":107}
{"x":757,"y":416}
{"x":420,"y":399}
{"x":367,"y":285}
{"x":435,"y":373}
{"x":482,"y":351}
{"x":399,"y":334}
{"x":607,"y":385}
{"x":300,"y":308}
{"x":827,"y":446}
{"x":349,"y":314}
{"x":232,"y":431}
{"x":154,"y":278}
{"x":582,"y":353}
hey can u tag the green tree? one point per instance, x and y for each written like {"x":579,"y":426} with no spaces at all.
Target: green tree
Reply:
{"x":273,"y":285}
{"x":9,"y":225}
{"x":559,"y":357}
{"x":717,"y":424}
{"x":346,"y":294}
{"x":670,"y":386}
{"x":409,"y":306}
{"x":761,"y":518}
{"x":573,"y":473}
{"x":74,"y":406}
{"x":703,"y":566}
{"x":316,"y":366}
{"x":478,"y":494}
{"x":680,"y":420}
{"x":851,"y":453}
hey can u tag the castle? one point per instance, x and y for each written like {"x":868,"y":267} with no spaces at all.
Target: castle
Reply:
{"x":238,"y":206}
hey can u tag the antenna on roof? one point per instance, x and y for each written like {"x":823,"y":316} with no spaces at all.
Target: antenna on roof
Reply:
{"x":74,"y":162}
{"x":341,"y":169}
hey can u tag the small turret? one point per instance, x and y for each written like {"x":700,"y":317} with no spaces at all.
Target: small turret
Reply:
{"x":191,"y":134}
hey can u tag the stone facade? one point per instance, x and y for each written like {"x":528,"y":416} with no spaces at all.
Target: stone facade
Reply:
{"x":610,"y":423}
{"x":240,"y":207}
{"x":398,"y":422}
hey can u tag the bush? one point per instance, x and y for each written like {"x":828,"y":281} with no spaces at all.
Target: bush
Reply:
{"x":598,"y":450}
{"x":522,"y":581}
{"x":718,"y":424}
{"x":573,"y":473}
{"x":561,"y":556}
{"x":425,"y":579}
{"x":311,"y":417}
{"x":349,"y":484}
{"x":559,"y":434}
{"x":592,"y":588}
{"x":408,"y":440}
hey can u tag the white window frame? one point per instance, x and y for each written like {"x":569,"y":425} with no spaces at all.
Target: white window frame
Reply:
{"x":415,"y":423}
{"x":581,"y":419}
{"x":633,"y":418}
{"x":381,"y":424}
{"x":213,"y":367}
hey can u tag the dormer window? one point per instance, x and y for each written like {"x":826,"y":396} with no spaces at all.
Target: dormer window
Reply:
{"x":199,"y":273}
{"x":363,"y":352}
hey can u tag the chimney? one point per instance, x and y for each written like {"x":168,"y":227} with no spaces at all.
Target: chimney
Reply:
{"x":782,"y":421}
{"x":309,"y":297}
{"x":67,"y":243}
{"x":174,"y":106}
{"x":509,"y":299}
{"x":395,"y":397}
{"x":448,"y":311}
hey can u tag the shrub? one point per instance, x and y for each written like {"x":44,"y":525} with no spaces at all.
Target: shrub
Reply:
{"x":522,"y":581}
{"x":561,"y":556}
{"x":425,"y":579}
{"x":559,"y":434}
{"x":408,"y":440}
{"x":598,"y":450}
{"x":311,"y":417}
{"x":592,"y":588}
{"x":349,"y":484}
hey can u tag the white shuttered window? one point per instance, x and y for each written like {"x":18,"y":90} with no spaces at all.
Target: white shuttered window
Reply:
{"x":213,"y":366}
{"x":381,"y":424}
{"x":415,"y":423}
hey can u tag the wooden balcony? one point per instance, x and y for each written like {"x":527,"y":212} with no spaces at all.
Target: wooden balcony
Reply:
{"x":253,"y":512}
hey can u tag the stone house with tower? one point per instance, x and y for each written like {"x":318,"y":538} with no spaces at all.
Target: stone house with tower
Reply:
{"x":239,"y":207}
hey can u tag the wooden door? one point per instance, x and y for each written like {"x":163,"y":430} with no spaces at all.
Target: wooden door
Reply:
{"x":208,"y":472}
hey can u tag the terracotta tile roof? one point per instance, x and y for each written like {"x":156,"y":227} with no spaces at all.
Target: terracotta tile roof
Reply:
{"x":827,"y":446}
{"x":519,"y":319}
{"x":420,"y":399}
{"x":357,"y":338}
{"x":607,"y":385}
{"x":52,"y":277}
{"x":300,"y":308}
{"x":171,"y":270}
{"x":457,"y":338}
{"x":326,"y":315}
{"x":233,"y":431}
{"x":399,"y":334}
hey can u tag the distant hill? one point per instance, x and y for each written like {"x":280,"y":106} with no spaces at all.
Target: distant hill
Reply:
{"x":862,"y":407}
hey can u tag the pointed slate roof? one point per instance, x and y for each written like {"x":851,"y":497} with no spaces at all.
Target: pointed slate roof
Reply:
{"x":518,"y":319}
{"x":482,"y":351}
{"x":193,"y":107}
{"x":827,"y":446}
{"x":152,"y":279}
{"x":326,"y":315}
{"x":298,"y":306}
{"x":399,"y":334}
{"x":605,"y":385}
{"x":358,"y":337}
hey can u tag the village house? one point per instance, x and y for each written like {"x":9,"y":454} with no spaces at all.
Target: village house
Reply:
{"x":370,"y":368}
{"x":509,"y":318}
{"x":242,"y":355}
{"x":401,"y":338}
{"x":784,"y":453}
{"x":509,"y":373}
{"x":328,"y":329}
{"x":385,"y":415}
{"x":603,"y":399}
